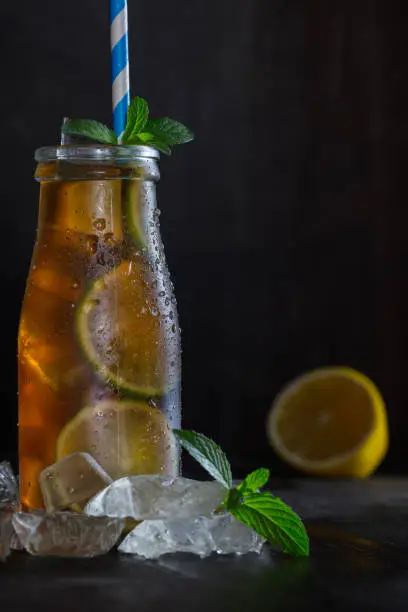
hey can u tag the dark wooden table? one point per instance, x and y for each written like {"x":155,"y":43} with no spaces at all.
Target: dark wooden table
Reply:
{"x":359,"y":560}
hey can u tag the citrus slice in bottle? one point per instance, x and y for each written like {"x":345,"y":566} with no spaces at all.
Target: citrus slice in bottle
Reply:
{"x":137,"y":199}
{"x":124,"y":335}
{"x":330,"y":422}
{"x":125,"y":438}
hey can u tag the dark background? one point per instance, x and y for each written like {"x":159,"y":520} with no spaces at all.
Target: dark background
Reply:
{"x":284,"y":222}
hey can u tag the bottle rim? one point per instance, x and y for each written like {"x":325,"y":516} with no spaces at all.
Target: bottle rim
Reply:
{"x":95,"y":153}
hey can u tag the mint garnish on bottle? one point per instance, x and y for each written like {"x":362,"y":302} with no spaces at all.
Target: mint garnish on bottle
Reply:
{"x":162,"y":134}
{"x":263,"y":512}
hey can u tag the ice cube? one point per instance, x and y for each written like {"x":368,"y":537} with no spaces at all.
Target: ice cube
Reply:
{"x":72,"y":480}
{"x":202,"y":535}
{"x":15,"y":543}
{"x":157,"y":497}
{"x":6,"y":532}
{"x":8,"y":486}
{"x":66,"y":534}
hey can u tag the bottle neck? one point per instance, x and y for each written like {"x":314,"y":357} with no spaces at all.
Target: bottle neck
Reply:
{"x":92,"y":162}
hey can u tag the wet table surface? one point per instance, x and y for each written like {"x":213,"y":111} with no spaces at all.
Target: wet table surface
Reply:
{"x":359,"y":559}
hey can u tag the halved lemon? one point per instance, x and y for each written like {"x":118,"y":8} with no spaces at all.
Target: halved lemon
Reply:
{"x":125,"y":438}
{"x":123,"y":333}
{"x":330,"y":422}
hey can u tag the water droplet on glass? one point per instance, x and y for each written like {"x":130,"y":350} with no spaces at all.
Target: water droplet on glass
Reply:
{"x":99,"y":224}
{"x":92,"y":243}
{"x":109,"y":238}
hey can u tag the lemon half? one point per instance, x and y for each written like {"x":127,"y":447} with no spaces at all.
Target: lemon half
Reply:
{"x":330,"y":422}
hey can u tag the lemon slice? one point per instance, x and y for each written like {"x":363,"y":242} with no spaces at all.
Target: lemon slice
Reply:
{"x":121,"y":332}
{"x":125,"y":438}
{"x":330,"y":422}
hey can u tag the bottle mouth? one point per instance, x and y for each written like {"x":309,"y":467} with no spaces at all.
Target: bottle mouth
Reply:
{"x":95,"y":153}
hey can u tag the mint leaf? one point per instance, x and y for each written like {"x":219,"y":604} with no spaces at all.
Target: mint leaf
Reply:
{"x":234,"y":498}
{"x":274,"y":520}
{"x":159,"y":145}
{"x":138,"y":114}
{"x":169,"y":131}
{"x":88,"y":128}
{"x":208,"y":454}
{"x":145,"y":138}
{"x":254,"y":481}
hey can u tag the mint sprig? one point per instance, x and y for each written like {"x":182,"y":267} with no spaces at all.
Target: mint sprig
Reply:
{"x":162,"y":134}
{"x":267,"y":515}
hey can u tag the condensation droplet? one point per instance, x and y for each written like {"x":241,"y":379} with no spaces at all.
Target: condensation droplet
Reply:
{"x":92,"y":243}
{"x":99,"y":224}
{"x":109,"y":238}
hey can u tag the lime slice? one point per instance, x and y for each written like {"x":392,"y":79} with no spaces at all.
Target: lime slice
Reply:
{"x":134,"y":203}
{"x":123,"y":334}
{"x":124,"y":437}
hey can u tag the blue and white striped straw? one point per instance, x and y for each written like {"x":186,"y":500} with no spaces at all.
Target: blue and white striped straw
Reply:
{"x":120,"y":65}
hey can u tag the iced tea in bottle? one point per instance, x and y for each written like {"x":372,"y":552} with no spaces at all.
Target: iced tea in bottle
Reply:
{"x":99,"y":346}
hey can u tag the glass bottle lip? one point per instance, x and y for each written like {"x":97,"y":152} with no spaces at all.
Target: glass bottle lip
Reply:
{"x":95,"y":153}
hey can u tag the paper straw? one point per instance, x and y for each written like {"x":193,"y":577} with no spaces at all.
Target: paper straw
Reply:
{"x":120,"y":65}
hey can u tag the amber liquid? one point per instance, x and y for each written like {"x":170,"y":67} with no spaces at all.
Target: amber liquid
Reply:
{"x":90,"y":257}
